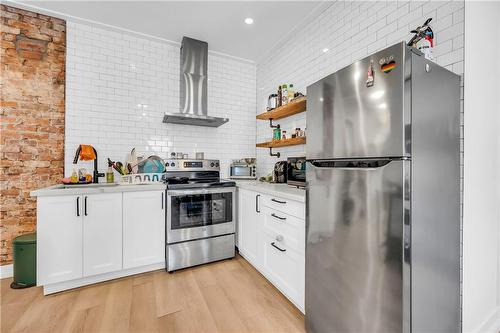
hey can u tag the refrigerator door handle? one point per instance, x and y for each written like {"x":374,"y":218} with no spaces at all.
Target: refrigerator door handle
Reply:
{"x":352,"y":164}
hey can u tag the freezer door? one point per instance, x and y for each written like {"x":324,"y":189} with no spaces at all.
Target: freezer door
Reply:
{"x":348,"y":119}
{"x":357,"y":252}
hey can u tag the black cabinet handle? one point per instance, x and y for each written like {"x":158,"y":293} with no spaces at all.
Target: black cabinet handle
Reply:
{"x":282,"y":250}
{"x":161,"y":200}
{"x":77,"y":206}
{"x":278,"y":217}
{"x":281,"y":202}
{"x":85,"y":206}
{"x":257,"y":209}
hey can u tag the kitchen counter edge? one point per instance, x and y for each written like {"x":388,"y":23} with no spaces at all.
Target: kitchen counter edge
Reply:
{"x":56,"y":190}
{"x":280,"y":190}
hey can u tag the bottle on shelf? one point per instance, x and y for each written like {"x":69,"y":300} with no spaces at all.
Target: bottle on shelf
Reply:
{"x":277,"y":133}
{"x":280,"y":97}
{"x":291,"y":93}
{"x":284,"y":94}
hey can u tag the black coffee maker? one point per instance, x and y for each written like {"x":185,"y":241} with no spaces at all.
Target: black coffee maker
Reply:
{"x":280,"y":172}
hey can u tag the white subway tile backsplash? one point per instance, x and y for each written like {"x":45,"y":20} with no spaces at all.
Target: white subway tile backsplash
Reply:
{"x":120,"y":85}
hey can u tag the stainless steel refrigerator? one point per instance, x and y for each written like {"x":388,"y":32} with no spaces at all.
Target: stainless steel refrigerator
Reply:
{"x":383,"y":197}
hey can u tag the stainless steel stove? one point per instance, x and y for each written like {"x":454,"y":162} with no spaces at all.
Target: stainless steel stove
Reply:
{"x":200,"y":222}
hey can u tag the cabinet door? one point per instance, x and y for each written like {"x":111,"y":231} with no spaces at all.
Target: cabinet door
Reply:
{"x":143,"y":228}
{"x":59,"y":239}
{"x":250,"y":224}
{"x":283,"y":266}
{"x":102,"y":233}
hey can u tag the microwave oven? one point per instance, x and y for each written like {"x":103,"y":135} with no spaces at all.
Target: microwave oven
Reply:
{"x":296,"y":171}
{"x":242,"y":170}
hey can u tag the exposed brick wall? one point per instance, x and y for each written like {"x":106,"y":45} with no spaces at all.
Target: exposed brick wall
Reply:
{"x":32,"y":51}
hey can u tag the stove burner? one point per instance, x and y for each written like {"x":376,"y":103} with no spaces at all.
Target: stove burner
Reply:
{"x":192,"y":179}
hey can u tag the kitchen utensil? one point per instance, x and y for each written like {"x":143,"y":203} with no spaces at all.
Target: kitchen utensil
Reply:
{"x":250,"y":160}
{"x":120,"y":168}
{"x":200,"y":156}
{"x":133,"y":160}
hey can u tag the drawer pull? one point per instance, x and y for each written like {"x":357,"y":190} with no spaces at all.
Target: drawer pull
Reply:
{"x":278,"y":217}
{"x":281,"y":202}
{"x":276,"y":247}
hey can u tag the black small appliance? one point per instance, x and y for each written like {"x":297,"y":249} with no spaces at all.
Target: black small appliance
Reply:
{"x":296,"y":171}
{"x":280,"y":172}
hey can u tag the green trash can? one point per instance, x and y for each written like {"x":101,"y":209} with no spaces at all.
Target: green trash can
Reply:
{"x":24,"y":247}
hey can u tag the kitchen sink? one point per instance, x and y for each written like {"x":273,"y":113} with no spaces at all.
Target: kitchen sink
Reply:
{"x":92,"y":185}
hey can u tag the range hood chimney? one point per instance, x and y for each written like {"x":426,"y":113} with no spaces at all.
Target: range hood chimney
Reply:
{"x":193,"y":87}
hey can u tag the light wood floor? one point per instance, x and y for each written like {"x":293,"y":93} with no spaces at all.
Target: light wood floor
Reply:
{"x":227,"y":296}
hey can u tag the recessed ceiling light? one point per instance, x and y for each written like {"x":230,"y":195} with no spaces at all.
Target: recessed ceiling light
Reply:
{"x":249,"y":20}
{"x":325,"y":50}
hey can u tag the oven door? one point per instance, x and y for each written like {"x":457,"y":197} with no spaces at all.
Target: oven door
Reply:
{"x":199,"y":213}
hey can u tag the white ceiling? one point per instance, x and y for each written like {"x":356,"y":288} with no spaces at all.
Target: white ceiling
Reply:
{"x":220,"y":23}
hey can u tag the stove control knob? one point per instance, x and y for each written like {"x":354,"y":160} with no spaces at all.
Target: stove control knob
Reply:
{"x":217,"y":164}
{"x":173,"y":164}
{"x":167,"y":164}
{"x":212,"y":164}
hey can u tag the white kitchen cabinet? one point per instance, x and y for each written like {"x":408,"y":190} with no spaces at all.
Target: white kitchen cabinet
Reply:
{"x":272,"y":238}
{"x":59,"y":239}
{"x":283,"y":265}
{"x":249,"y":221}
{"x":143,"y":228}
{"x":102,"y":233}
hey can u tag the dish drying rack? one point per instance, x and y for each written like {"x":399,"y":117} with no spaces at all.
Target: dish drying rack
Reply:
{"x":141,"y":178}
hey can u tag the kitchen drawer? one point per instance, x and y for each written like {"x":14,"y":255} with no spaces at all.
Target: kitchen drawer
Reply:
{"x":284,"y":267}
{"x":290,"y":207}
{"x":291,"y":228}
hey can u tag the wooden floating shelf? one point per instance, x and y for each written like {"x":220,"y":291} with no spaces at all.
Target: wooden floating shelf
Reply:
{"x":283,"y":143}
{"x":297,"y":106}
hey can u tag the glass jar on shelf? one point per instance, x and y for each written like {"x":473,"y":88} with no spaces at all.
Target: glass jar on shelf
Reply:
{"x":277,"y":133}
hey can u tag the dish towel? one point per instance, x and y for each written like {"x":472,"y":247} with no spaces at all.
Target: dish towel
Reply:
{"x":87,"y":153}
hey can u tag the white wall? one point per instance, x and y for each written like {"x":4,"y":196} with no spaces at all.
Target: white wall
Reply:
{"x":119,"y":85}
{"x":481,"y":237}
{"x":350,"y":30}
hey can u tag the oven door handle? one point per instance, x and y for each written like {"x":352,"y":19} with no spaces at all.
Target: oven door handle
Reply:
{"x":179,"y":193}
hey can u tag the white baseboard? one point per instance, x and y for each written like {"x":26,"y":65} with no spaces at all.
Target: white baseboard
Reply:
{"x":490,"y":324}
{"x":6,"y":271}
{"x":66,"y":285}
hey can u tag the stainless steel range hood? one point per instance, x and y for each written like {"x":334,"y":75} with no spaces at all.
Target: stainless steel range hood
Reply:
{"x":193,"y":87}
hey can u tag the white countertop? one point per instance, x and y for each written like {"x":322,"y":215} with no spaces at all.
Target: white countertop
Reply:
{"x":280,"y":190}
{"x":61,"y":189}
